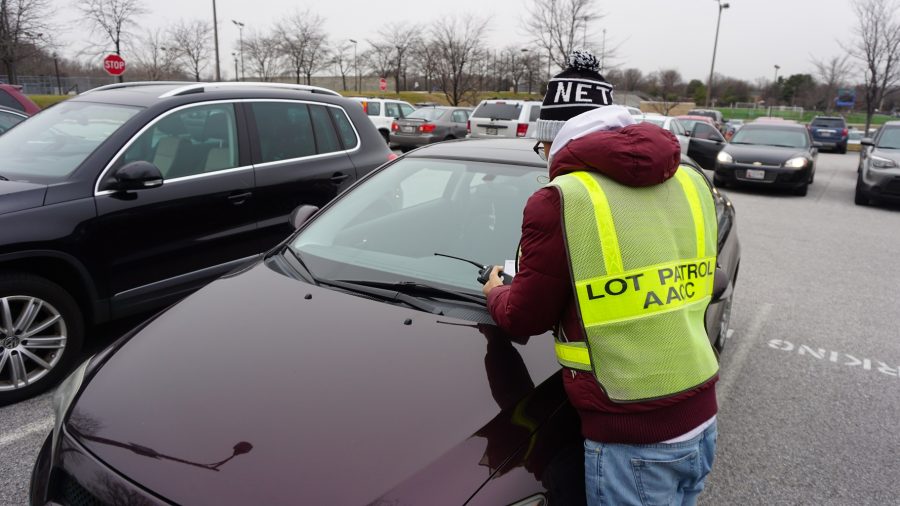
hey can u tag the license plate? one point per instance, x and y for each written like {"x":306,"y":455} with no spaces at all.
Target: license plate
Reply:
{"x":491,"y":131}
{"x":407,"y":129}
{"x":756,"y":174}
{"x":825,"y":133}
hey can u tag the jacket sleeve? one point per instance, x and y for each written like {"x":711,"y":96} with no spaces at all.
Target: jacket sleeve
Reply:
{"x":541,"y":289}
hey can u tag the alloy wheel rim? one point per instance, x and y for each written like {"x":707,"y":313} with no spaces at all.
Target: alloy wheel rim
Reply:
{"x":33,"y":337}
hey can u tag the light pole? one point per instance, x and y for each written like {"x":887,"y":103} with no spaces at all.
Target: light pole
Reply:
{"x":355,"y":62}
{"x":241,"y":36}
{"x":715,"y":46}
{"x":216,"y":38}
{"x":525,"y":57}
{"x":774,"y":89}
{"x":584,"y":20}
{"x":56,"y":66}
{"x":603,"y":53}
{"x":235,"y":56}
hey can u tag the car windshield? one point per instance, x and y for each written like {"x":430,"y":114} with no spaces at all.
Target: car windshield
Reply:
{"x":889,"y":138}
{"x":389,"y":228}
{"x":498,"y":110}
{"x":426,"y":113}
{"x":688,"y":124}
{"x":52,"y":144}
{"x":771,"y":136}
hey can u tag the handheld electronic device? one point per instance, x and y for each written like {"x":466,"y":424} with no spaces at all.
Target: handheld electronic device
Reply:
{"x":484,"y":271}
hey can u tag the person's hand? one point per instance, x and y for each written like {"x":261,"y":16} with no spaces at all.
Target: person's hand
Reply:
{"x":493,"y":281}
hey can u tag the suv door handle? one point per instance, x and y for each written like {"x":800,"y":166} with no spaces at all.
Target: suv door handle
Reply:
{"x":239,"y":198}
{"x":339,"y":177}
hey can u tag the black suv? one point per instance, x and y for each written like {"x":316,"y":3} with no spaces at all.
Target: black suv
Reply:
{"x":126,"y":198}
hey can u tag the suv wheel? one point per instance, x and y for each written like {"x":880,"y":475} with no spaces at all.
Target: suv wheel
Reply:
{"x":843,"y":149}
{"x":386,"y":136}
{"x":41,"y":331}
{"x":859,"y":197}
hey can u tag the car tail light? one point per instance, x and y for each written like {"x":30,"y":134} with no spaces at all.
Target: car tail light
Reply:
{"x":392,"y":156}
{"x":394,"y":126}
{"x":521,"y":129}
{"x":844,"y":133}
{"x":365,"y":106}
{"x":468,"y":126}
{"x":426,"y":128}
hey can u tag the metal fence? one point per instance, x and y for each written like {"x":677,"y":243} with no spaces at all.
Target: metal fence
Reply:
{"x":51,"y":85}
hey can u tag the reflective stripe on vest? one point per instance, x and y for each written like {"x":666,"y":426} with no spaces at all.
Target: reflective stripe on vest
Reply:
{"x":642,"y":263}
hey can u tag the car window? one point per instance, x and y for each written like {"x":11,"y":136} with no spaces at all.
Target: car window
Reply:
{"x":52,"y":144}
{"x":706,"y":131}
{"x":392,"y":109}
{"x":7,"y":100}
{"x":772,"y":136}
{"x":676,"y":127}
{"x":459,"y":117}
{"x":188,"y":142}
{"x":535,"y":113}
{"x":498,"y":110}
{"x":889,"y":138}
{"x":426,"y":113}
{"x":326,"y":137}
{"x":8,"y":120}
{"x":406,"y":110}
{"x":828,"y":123}
{"x":285,"y":131}
{"x":373,"y":108}
{"x":344,"y":127}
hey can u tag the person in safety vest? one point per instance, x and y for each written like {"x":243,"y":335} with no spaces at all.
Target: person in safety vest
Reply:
{"x":617,"y":257}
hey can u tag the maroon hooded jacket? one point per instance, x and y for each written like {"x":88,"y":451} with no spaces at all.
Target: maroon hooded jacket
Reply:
{"x":542,"y":295}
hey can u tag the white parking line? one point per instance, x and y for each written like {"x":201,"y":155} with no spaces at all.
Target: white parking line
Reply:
{"x":740,"y":352}
{"x":44,"y":425}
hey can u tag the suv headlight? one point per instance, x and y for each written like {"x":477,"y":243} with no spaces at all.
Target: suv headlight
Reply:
{"x":724,"y":157}
{"x":64,"y":395}
{"x":796,"y":163}
{"x":882,"y":163}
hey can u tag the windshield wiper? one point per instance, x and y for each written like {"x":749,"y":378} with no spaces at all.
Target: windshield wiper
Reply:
{"x":416,"y":288}
{"x":298,"y":262}
{"x":3,"y":178}
{"x":366,"y":288}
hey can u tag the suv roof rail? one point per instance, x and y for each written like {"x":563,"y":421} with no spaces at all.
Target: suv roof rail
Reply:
{"x":202,"y":87}
{"x":133,"y":84}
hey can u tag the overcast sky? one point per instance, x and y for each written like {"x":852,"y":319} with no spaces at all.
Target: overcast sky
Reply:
{"x":650,"y":34}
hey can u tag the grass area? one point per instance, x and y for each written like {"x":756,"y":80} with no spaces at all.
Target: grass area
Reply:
{"x":854,"y":118}
{"x":44,"y":101}
{"x":414,"y":97}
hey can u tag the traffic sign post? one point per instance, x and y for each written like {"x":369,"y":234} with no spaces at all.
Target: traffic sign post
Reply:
{"x":114,"y":65}
{"x":382,"y":84}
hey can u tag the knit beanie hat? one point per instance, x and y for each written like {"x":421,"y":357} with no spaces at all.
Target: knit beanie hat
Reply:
{"x":579,"y":88}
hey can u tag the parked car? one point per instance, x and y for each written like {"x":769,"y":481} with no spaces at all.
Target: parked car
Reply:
{"x":854,"y":138}
{"x":504,"y":118}
{"x":429,"y":124}
{"x":634,"y":111}
{"x":356,"y":340}
{"x":125,"y":199}
{"x":11,"y":96}
{"x":771,"y":153}
{"x":879,"y":166}
{"x":714,"y":115}
{"x":671,"y":124}
{"x":830,"y":131}
{"x":731,"y":127}
{"x":10,"y":118}
{"x":706,"y":140}
{"x":383,"y":112}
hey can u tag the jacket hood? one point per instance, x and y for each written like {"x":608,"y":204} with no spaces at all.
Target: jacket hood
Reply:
{"x":641,"y":154}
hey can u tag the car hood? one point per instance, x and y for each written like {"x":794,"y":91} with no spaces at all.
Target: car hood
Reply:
{"x":19,"y":196}
{"x":765,"y":155}
{"x":322,"y":397}
{"x":890,"y":154}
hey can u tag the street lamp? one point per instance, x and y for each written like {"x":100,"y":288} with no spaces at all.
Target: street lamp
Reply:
{"x":774,"y":89}
{"x":56,"y":66}
{"x":715,"y":46}
{"x":241,"y":36}
{"x":235,"y":56}
{"x":216,"y":38}
{"x":524,"y":50}
{"x":355,"y":63}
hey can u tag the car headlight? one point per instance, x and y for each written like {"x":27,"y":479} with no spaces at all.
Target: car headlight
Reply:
{"x":724,"y":157}
{"x":64,"y":395}
{"x":796,"y":163}
{"x":882,"y":163}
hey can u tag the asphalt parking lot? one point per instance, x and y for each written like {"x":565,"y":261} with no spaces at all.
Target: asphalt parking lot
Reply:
{"x":809,"y":383}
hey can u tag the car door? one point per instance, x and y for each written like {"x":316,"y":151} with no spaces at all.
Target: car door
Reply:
{"x":300,"y":157}
{"x":458,"y":120}
{"x":706,"y":142}
{"x":160,"y":243}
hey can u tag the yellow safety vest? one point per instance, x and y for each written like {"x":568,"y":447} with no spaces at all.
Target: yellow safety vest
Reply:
{"x":642,"y":262}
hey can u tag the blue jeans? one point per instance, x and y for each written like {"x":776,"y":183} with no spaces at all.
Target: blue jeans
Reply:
{"x":652,"y":474}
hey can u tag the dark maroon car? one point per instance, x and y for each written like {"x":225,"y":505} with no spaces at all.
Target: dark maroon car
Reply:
{"x":350,"y":366}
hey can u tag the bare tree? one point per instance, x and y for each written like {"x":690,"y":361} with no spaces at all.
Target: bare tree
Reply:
{"x":669,"y":87}
{"x":343,"y":61}
{"x":111,"y":20}
{"x":402,"y":39}
{"x":877,"y":46}
{"x":379,"y":59}
{"x":559,"y":26}
{"x":303,"y":41}
{"x":833,"y":73}
{"x":456,"y":42}
{"x":513,"y":65}
{"x":191,"y":40}
{"x":263,"y":52}
{"x":425,"y":56}
{"x":23,"y":27}
{"x":632,"y":79}
{"x":156,"y":56}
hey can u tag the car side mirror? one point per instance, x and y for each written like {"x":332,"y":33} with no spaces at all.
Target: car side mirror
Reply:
{"x":867,"y":141}
{"x":301,"y":215}
{"x":139,"y":175}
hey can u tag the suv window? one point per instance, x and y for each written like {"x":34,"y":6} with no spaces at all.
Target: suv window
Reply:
{"x":344,"y":127}
{"x":373,"y":108}
{"x":188,"y":142}
{"x":7,"y":100}
{"x":406,"y":110}
{"x":391,"y":110}
{"x":326,"y":138}
{"x":535,"y":113}
{"x":285,"y":131}
{"x":498,"y":110}
{"x":828,"y":122}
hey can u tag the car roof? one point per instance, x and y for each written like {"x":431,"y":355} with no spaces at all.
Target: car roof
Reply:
{"x":512,"y":151}
{"x":149,"y":93}
{"x":508,"y":101}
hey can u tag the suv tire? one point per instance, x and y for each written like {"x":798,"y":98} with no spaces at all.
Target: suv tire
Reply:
{"x":39,"y":308}
{"x":802,"y":190}
{"x":859,"y":198}
{"x":843,"y":149}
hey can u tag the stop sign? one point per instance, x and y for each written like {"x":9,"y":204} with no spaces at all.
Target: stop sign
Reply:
{"x":114,"y":65}
{"x":382,"y":84}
